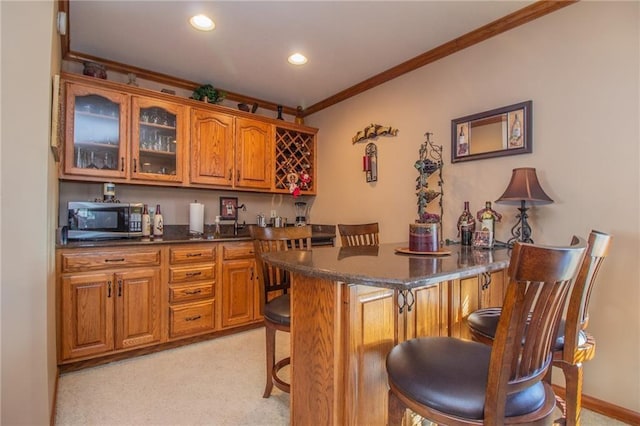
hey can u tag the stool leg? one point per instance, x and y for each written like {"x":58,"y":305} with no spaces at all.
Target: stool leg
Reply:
{"x":396,"y":410}
{"x":271,"y":358}
{"x":573,"y":397}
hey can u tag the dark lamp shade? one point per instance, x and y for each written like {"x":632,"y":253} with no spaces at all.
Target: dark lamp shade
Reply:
{"x":524,"y":186}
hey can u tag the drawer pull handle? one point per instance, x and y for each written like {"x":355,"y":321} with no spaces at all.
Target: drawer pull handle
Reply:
{"x":109,"y":288}
{"x":194,"y":254}
{"x":119,"y":288}
{"x":115,"y":260}
{"x":198,"y":291}
{"x":193,"y":318}
{"x":194,"y":274}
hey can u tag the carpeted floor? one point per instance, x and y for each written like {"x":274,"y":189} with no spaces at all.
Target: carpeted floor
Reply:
{"x":217,"y":382}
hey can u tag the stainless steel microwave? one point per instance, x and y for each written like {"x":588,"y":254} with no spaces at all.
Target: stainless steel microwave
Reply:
{"x":96,"y":220}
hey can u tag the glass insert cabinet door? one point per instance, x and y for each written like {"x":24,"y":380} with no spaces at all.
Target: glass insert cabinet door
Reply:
{"x":96,"y":127}
{"x":157,"y":139}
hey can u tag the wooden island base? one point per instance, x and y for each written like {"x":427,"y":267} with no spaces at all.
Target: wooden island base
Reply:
{"x":349,"y":309}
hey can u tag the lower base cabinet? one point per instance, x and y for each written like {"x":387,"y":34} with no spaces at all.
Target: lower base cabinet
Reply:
{"x":102,"y":312}
{"x":111,"y":300}
{"x":240,"y":292}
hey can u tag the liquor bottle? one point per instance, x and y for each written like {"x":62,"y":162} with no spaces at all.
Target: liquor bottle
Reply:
{"x":466,"y":226}
{"x":488,"y":218}
{"x":158,"y":225}
{"x":216,"y":233}
{"x":146,"y":222}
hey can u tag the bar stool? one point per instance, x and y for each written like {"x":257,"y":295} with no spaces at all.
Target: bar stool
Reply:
{"x":452,"y":381}
{"x":359,"y":235}
{"x":574,"y":345}
{"x":275,"y":300}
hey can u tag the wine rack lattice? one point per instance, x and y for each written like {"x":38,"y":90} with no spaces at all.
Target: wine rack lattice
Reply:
{"x":294,"y":154}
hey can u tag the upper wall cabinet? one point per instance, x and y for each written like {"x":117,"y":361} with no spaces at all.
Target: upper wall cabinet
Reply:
{"x":130,"y":135}
{"x":211,"y":148}
{"x":157,"y":140}
{"x":96,"y":127}
{"x":254,"y":154}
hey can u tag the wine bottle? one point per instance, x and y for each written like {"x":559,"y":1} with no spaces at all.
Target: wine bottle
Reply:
{"x":488,"y":218}
{"x":158,"y":225}
{"x":466,"y":226}
{"x":146,"y":222}
{"x":516,"y":132}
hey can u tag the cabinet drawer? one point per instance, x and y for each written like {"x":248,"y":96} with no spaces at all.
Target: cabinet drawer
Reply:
{"x":191,"y":318}
{"x":242,"y":250}
{"x":191,"y":273}
{"x":192,"y":254}
{"x":189,"y":292}
{"x":83,"y":261}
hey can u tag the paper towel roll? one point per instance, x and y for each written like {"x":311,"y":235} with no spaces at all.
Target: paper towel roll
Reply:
{"x":196,"y":218}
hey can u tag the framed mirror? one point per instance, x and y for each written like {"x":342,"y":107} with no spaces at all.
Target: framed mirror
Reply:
{"x":496,"y":133}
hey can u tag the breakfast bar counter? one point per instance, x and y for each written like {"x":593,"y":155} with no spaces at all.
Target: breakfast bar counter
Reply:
{"x":351,"y":305}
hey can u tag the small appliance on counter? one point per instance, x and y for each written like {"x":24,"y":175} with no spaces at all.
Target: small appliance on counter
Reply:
{"x":89,"y":220}
{"x":301,"y":213}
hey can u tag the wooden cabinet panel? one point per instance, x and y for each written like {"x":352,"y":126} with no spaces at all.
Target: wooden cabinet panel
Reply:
{"x":190,"y":292}
{"x":212,"y":141}
{"x":192,"y":273}
{"x":192,"y":254}
{"x":96,"y":132}
{"x":158,"y":139}
{"x":374,"y":320}
{"x":137,"y":306}
{"x":86,"y":315}
{"x":238,"y":292}
{"x":81,"y":261}
{"x":241,"y":250}
{"x":430,"y":312}
{"x":191,"y":318}
{"x":254,"y":154}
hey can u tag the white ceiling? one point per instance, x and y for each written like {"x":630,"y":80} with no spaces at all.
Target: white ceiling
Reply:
{"x":346,"y":41}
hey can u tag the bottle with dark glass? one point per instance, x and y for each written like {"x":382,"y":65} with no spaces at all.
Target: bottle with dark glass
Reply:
{"x":466,"y":226}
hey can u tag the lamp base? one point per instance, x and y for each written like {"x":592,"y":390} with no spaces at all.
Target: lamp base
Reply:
{"x":521,"y":231}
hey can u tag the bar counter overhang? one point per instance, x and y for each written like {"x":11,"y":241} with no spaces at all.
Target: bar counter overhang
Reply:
{"x":351,"y":305}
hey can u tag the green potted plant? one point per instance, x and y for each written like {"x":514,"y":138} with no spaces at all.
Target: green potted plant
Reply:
{"x":424,"y":234}
{"x":208,"y":93}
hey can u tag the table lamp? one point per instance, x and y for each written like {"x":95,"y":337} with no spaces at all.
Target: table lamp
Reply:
{"x":522,"y":189}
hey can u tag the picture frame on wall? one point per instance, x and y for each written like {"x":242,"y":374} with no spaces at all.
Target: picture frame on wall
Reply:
{"x":229,"y":208}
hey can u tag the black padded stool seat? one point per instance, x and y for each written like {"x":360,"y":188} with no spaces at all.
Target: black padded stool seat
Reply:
{"x":455,"y":384}
{"x":278,"y":310}
{"x":484,"y":322}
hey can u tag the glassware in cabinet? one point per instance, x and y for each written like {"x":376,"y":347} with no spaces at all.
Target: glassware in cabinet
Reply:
{"x":95,"y":135}
{"x":157,"y":140}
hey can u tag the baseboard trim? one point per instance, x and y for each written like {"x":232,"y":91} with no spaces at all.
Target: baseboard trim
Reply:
{"x":52,"y":416}
{"x":605,"y":408}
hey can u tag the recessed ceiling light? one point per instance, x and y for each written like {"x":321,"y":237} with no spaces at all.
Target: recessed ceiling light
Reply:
{"x":202,"y":23}
{"x":297,"y":59}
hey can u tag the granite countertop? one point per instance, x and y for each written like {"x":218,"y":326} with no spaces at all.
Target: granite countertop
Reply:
{"x":179,"y":234}
{"x":382,"y":266}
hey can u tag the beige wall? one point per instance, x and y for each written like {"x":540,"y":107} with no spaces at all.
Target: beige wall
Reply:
{"x":29,"y":197}
{"x":580,"y":67}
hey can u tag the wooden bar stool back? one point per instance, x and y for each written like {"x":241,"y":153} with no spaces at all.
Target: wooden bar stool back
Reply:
{"x":359,"y":235}
{"x":457,"y":382}
{"x":275,"y":300}
{"x":574,"y":345}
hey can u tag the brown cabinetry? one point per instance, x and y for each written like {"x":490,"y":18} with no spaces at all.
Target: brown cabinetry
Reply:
{"x":211,"y":148}
{"x":131,"y":135}
{"x":158,"y":139}
{"x":108,"y":301}
{"x":192,"y":278}
{"x":254,"y":154}
{"x":96,"y":128}
{"x":240,"y":295}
